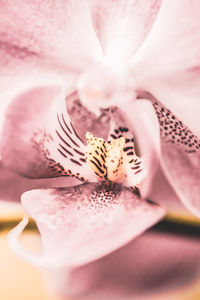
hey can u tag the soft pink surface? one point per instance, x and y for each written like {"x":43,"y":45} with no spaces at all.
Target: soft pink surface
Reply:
{"x":121,"y":26}
{"x":70,"y":39}
{"x":167,"y":64}
{"x":77,"y":46}
{"x":151,"y":265}
{"x":89,"y":217}
{"x":12,"y":185}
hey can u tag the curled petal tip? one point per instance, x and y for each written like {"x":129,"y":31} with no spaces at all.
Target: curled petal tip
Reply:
{"x":19,"y":249}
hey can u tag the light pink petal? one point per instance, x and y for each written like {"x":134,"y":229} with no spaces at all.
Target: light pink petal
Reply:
{"x":13,"y":185}
{"x":154,"y":266}
{"x":182,"y":170}
{"x":141,"y":119}
{"x":85,"y":222}
{"x":167,"y":64}
{"x":43,"y":42}
{"x":180,"y":158}
{"x":121,"y":26}
{"x":163,"y":193}
{"x":136,"y":168}
{"x":59,"y":34}
{"x":38,"y":137}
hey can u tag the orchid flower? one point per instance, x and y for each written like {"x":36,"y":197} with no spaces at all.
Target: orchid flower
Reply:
{"x":132,"y":67}
{"x":87,"y":213}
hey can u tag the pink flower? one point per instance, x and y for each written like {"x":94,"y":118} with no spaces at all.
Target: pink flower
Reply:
{"x":135,"y":63}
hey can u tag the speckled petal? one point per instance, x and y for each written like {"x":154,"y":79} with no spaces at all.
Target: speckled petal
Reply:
{"x":180,"y":157}
{"x":167,"y":64}
{"x":39,"y":139}
{"x":85,"y":222}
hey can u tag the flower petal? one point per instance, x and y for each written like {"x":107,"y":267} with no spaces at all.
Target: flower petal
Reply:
{"x":135,"y":169}
{"x":121,"y":26}
{"x":12,"y":185}
{"x":163,"y":193}
{"x":180,"y":158}
{"x":43,"y":42}
{"x":82,"y":223}
{"x":141,"y":119}
{"x":167,"y":64}
{"x":182,"y":170}
{"x":38,"y":138}
{"x":52,"y":33}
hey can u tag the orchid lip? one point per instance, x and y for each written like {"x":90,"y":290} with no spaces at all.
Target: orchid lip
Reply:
{"x":95,"y":209}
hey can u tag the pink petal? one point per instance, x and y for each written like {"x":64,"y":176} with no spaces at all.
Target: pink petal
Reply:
{"x":142,"y":120}
{"x":41,"y":43}
{"x":136,"y":168}
{"x":13,"y":185}
{"x":167,"y":64}
{"x":58,"y":34}
{"x":121,"y":26}
{"x":180,"y":158}
{"x":182,"y":170}
{"x":85,"y":222}
{"x":38,"y":138}
{"x":151,"y":267}
{"x":163,"y":193}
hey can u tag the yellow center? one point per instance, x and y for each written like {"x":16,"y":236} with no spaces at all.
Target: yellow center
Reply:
{"x":108,"y":160}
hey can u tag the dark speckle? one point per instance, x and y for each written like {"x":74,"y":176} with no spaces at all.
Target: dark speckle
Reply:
{"x":177,"y":133}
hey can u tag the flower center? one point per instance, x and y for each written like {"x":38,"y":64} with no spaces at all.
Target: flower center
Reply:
{"x":110,"y":161}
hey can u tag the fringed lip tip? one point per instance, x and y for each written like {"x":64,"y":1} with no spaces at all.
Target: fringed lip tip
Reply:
{"x":19,"y":249}
{"x":16,"y":231}
{"x":38,"y":260}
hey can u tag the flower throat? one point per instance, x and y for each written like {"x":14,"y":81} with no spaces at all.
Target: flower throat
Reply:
{"x":109,"y":160}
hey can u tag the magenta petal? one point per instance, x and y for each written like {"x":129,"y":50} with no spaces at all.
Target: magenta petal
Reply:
{"x":121,"y":26}
{"x":167,"y":64}
{"x":85,"y":222}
